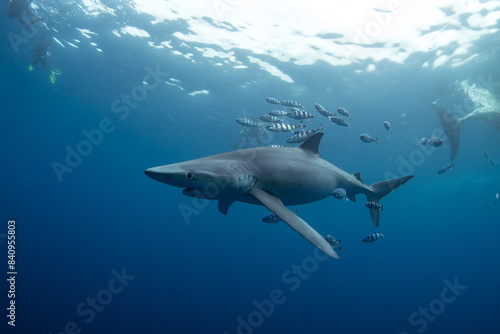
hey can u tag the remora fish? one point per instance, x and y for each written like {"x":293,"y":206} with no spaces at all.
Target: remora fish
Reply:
{"x":266,"y":176}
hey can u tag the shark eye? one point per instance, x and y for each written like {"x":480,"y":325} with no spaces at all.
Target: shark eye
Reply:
{"x":189,"y":176}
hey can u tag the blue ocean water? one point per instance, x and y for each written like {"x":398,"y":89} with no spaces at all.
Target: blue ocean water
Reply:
{"x":100,"y":247}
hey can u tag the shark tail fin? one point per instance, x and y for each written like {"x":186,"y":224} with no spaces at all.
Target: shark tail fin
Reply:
{"x":451,"y":127}
{"x":379,"y":190}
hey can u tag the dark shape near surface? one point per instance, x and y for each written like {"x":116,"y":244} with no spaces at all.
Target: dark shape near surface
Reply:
{"x":451,"y":127}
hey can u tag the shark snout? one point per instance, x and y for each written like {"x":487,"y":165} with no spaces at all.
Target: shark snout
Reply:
{"x":156,"y":173}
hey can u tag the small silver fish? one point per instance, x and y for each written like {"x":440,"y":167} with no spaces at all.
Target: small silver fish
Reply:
{"x":300,"y":114}
{"x":374,"y":237}
{"x":446,"y":168}
{"x":302,"y":135}
{"x":387,"y":126}
{"x":323,"y":111}
{"x":368,"y":139}
{"x":343,"y":112}
{"x":340,"y":193}
{"x":290,"y":103}
{"x":272,"y":100}
{"x":338,"y":120}
{"x":277,"y":112}
{"x":247,"y":122}
{"x":270,"y":118}
{"x":284,"y":127}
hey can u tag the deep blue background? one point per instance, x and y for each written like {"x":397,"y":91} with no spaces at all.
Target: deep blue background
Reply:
{"x":200,"y":277}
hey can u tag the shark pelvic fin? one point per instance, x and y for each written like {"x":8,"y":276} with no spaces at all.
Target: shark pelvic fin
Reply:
{"x":380,"y":189}
{"x":224,"y":204}
{"x":358,"y":177}
{"x":311,"y":145}
{"x":275,"y":205}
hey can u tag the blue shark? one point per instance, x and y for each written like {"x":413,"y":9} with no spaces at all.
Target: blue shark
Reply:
{"x":274,"y":177}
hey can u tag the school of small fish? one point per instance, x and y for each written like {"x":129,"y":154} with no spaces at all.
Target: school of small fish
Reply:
{"x":274,"y":121}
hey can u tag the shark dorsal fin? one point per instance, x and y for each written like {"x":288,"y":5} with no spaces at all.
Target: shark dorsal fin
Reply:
{"x":311,"y":144}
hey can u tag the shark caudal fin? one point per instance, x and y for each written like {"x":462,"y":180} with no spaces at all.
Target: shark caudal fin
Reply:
{"x":451,"y":127}
{"x":381,"y":189}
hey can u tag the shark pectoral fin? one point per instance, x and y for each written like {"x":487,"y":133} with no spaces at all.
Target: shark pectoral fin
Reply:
{"x":224,"y":204}
{"x":298,"y":224}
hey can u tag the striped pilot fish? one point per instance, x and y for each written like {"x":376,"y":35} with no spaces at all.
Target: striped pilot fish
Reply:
{"x":343,"y":112}
{"x":374,"y":237}
{"x":284,"y":127}
{"x":272,"y":100}
{"x":423,"y":141}
{"x":368,"y":139}
{"x":340,"y":193}
{"x":435,"y":141}
{"x":271,"y":218}
{"x":270,"y":118}
{"x":290,"y":103}
{"x":338,"y":120}
{"x":302,"y":135}
{"x":323,"y":111}
{"x":446,"y":168}
{"x":247,"y":122}
{"x":374,"y":205}
{"x":277,"y":112}
{"x":299,"y":114}
{"x":334,"y":243}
